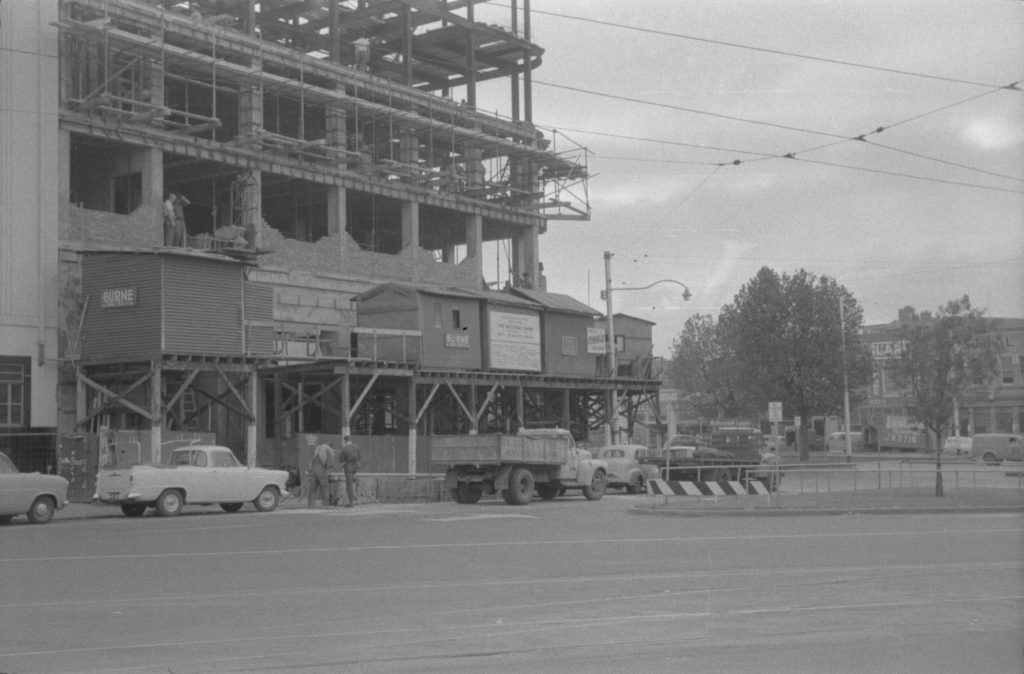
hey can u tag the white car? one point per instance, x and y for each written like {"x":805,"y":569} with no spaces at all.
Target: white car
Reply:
{"x":957,"y":445}
{"x":198,"y":474}
{"x":625,"y":470}
{"x":35,"y":495}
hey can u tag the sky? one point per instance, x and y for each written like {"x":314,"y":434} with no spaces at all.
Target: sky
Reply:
{"x":667,"y":95}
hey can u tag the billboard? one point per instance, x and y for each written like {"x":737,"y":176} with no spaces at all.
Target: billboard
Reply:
{"x":514,"y":341}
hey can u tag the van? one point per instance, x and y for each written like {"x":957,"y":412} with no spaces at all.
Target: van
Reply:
{"x":994,"y":448}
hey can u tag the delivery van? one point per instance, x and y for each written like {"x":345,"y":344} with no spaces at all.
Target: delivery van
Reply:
{"x":994,"y":448}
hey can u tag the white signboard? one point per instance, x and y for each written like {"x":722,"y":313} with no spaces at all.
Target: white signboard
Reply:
{"x":595,"y":340}
{"x":775,"y":412}
{"x":514,"y":341}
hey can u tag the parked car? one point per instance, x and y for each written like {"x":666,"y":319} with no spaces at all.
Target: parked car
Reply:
{"x":957,"y":445}
{"x":35,"y":495}
{"x":837,"y":442}
{"x":198,"y":474}
{"x":625,"y":470}
{"x":994,"y":448}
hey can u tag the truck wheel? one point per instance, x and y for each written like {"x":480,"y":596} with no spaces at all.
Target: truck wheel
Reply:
{"x":990,"y":459}
{"x":595,"y":490}
{"x":470,"y":492}
{"x":547,"y":491}
{"x":133,"y":509}
{"x":721,"y":476}
{"x":267,"y":500}
{"x":454,"y":493}
{"x":42,"y":510}
{"x":520,"y":486}
{"x":170,"y":503}
{"x":231,"y":507}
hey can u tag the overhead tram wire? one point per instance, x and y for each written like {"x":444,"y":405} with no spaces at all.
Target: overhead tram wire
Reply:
{"x":905,"y":175}
{"x":779,"y":52}
{"x":792,"y":155}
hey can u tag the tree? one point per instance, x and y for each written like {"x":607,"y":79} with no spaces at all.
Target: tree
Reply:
{"x":702,"y":371}
{"x":941,"y":358}
{"x":785,"y":336}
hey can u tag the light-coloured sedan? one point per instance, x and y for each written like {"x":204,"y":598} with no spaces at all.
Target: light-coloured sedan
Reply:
{"x":35,"y":495}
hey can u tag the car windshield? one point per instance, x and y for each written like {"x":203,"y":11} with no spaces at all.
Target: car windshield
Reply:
{"x":7,"y":466}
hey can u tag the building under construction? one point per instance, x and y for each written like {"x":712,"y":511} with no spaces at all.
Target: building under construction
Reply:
{"x":197,"y":199}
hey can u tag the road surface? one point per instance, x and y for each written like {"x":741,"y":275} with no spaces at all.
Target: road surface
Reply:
{"x":568,"y":586}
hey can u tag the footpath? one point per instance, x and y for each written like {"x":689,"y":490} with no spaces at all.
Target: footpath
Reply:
{"x":917,"y":500}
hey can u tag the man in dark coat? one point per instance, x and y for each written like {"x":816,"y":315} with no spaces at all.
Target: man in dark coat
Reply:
{"x":349,"y":458}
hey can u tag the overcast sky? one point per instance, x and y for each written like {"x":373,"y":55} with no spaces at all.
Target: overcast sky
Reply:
{"x":936,"y":213}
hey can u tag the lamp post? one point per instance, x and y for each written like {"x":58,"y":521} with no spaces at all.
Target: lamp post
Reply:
{"x":846,"y":386}
{"x":612,"y":434}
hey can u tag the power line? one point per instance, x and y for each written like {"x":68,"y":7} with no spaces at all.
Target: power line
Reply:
{"x":735,"y":45}
{"x":630,"y":99}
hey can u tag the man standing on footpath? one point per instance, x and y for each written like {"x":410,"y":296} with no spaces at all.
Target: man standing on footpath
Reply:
{"x":319,"y":467}
{"x":349,"y":457}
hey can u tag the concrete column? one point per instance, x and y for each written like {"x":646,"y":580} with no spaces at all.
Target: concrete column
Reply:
{"x":337,"y":218}
{"x":411,"y":235}
{"x":413,"y":415}
{"x":346,"y":405}
{"x":252,"y":391}
{"x":336,"y":123}
{"x":156,"y":409}
{"x":474,"y":243}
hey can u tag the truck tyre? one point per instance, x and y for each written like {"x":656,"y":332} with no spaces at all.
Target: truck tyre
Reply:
{"x":170,"y":503}
{"x":520,"y":486}
{"x":133,"y":509}
{"x":598,"y":483}
{"x":990,"y":459}
{"x":42,"y":510}
{"x":470,"y":492}
{"x":721,"y":476}
{"x":454,"y":493}
{"x":267,"y":499}
{"x":547,"y":491}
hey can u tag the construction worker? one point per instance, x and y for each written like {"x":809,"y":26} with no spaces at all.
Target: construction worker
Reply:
{"x":319,"y":467}
{"x":349,"y":457}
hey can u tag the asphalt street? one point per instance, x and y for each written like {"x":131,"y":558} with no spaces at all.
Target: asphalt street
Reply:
{"x":564,"y":586}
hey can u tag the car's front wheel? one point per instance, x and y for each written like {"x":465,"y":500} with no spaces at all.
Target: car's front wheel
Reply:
{"x":267,"y":500}
{"x":42,"y":510}
{"x":990,"y":459}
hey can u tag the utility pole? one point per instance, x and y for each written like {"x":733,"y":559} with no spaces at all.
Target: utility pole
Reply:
{"x":612,"y":429}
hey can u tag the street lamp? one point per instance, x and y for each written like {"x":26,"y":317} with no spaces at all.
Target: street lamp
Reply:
{"x":613,"y":405}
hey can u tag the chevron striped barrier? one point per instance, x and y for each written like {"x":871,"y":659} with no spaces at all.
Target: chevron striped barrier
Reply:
{"x":678,"y":488}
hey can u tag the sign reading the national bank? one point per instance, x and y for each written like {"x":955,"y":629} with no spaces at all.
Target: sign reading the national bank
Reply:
{"x":117,"y":297}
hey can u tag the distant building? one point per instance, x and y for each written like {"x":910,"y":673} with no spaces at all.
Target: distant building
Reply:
{"x":995,"y":407}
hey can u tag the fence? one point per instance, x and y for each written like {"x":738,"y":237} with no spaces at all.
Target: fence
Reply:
{"x":823,"y":478}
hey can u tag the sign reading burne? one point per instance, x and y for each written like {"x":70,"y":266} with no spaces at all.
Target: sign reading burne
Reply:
{"x":456,"y":340}
{"x":117,"y":297}
{"x":515,"y":341}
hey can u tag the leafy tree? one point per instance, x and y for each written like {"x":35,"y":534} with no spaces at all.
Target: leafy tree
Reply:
{"x":941,"y":358}
{"x":702,"y":371}
{"x":787,"y":342}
